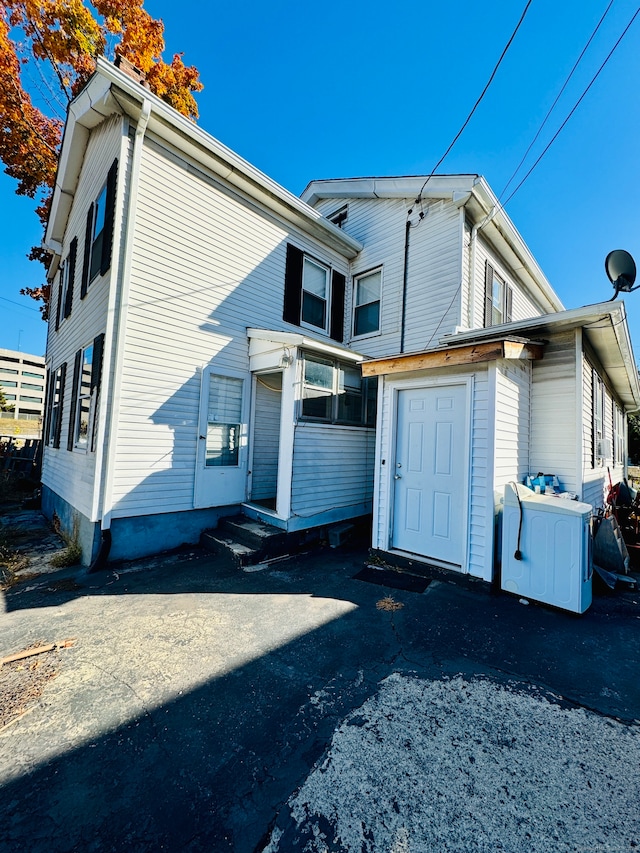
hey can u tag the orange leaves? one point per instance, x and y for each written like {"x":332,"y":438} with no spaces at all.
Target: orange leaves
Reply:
{"x":62,"y":38}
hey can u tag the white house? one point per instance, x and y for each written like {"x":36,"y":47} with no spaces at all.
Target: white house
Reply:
{"x":218,"y":344}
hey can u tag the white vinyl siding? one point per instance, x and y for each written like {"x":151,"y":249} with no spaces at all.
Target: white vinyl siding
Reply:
{"x":71,"y":475}
{"x":596,"y":477}
{"x":266,"y":437}
{"x":513,"y":383}
{"x":553,"y":412}
{"x":434,"y":269}
{"x":332,"y":467}
{"x":523,"y":306}
{"x":205,"y":266}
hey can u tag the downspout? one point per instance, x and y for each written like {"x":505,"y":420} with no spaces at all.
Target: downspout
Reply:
{"x":472,"y":276}
{"x":119,"y":338}
{"x":405,"y":276}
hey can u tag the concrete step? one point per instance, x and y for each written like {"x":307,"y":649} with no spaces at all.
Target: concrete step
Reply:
{"x":267,"y":540}
{"x":230,"y":553}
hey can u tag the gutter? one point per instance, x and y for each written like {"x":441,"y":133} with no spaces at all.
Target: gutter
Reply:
{"x":118,"y":336}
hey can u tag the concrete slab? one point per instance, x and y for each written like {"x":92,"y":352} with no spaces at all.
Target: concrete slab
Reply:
{"x":197,"y":699}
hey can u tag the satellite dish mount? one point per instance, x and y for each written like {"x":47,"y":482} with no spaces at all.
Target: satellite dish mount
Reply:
{"x":621,"y":271}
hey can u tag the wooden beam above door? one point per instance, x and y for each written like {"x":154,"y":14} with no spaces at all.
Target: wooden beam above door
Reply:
{"x":454,"y":357}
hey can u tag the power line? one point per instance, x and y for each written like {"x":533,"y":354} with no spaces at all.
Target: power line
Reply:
{"x":19,"y":304}
{"x":477,"y":103}
{"x":559,"y":95}
{"x":573,"y":109}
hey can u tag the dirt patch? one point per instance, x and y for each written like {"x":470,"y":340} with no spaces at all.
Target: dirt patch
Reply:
{"x":22,"y":683}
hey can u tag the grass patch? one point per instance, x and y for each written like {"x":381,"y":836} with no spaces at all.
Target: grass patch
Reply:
{"x":72,"y":554}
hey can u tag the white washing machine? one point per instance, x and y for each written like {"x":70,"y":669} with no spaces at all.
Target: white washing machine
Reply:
{"x":546,"y":548}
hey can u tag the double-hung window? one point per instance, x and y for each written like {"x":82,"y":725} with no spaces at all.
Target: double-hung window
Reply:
{"x":366,"y":303}
{"x":56,"y":399}
{"x":335,"y":392}
{"x":598,"y":419}
{"x":87,"y":371}
{"x":65,"y":287}
{"x":618,"y":435}
{"x":98,"y":237}
{"x":498,"y":298}
{"x":315,"y":294}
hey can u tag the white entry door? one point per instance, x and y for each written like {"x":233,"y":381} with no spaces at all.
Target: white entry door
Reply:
{"x":430,"y":485}
{"x":221,"y":465}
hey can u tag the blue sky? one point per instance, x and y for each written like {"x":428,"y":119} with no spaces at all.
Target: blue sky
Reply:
{"x":329,"y":89}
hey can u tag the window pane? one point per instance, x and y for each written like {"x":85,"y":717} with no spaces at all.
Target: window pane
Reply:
{"x":316,"y":404}
{"x":225,"y":399}
{"x":222,"y":444}
{"x":318,"y":373}
{"x":224,"y":419}
{"x":368,"y":288}
{"x":314,"y":279}
{"x":29,"y":386}
{"x":498,"y":301}
{"x":101,"y":204}
{"x":84,"y":408}
{"x":349,"y":395}
{"x":313,"y":310}
{"x":367,"y":319}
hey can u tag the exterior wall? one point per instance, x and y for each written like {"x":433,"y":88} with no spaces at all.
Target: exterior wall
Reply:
{"x":595,"y":475}
{"x":554,"y":413}
{"x":71,"y":474}
{"x":523,"y":307}
{"x":480,"y":491}
{"x":205,"y":266}
{"x":23,"y":389}
{"x":512,"y":419}
{"x":434,"y":269}
{"x":332,"y":467}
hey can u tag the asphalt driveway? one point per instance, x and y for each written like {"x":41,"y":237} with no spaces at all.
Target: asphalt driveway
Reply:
{"x":205,"y":708}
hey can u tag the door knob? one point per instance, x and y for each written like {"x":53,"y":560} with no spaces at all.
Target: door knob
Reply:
{"x":397,"y":476}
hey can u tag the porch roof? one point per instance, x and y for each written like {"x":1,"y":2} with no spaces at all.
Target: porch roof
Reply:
{"x":604,"y":327}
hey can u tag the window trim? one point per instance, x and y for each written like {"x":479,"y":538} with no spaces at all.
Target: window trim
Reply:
{"x":309,"y":259}
{"x":490,"y":273}
{"x":368,"y":400}
{"x":356,"y":278}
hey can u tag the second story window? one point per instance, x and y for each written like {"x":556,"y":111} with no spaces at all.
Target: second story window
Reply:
{"x":498,"y":298}
{"x":313,"y":294}
{"x":366,"y":303}
{"x":65,"y":287}
{"x":98,"y":237}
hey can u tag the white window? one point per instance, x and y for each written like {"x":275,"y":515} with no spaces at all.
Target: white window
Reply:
{"x":335,"y":392}
{"x":55,"y":406}
{"x":618,"y":435}
{"x":315,"y":294}
{"x":366,"y":303}
{"x":498,"y":298}
{"x":598,"y":419}
{"x":84,"y":410}
{"x":224,"y":421}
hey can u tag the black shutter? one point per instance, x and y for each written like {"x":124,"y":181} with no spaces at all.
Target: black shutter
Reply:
{"x":293,"y":285}
{"x":63,"y":377}
{"x":338,"y":282}
{"x":508,"y":303}
{"x":107,"y":239}
{"x":488,"y":294}
{"x":71,"y":260}
{"x":59,"y":305}
{"x":47,"y":406}
{"x":74,"y":400}
{"x":96,"y":365}
{"x":88,"y":236}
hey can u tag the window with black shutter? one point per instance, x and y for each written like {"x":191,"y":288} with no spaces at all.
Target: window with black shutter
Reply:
{"x":98,"y":240}
{"x":314,"y":295}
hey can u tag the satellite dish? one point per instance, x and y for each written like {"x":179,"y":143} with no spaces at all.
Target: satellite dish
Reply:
{"x":621,"y":270}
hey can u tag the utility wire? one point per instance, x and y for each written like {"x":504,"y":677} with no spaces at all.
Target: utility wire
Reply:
{"x":19,"y":304}
{"x":573,"y":109}
{"x":477,"y":103}
{"x":559,"y":95}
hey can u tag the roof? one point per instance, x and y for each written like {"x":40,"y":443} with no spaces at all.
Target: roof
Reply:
{"x":604,"y":326}
{"x":109,"y":92}
{"x":482,"y":209}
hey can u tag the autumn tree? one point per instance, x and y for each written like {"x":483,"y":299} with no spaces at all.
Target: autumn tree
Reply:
{"x":5,"y":406}
{"x":53,"y":45}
